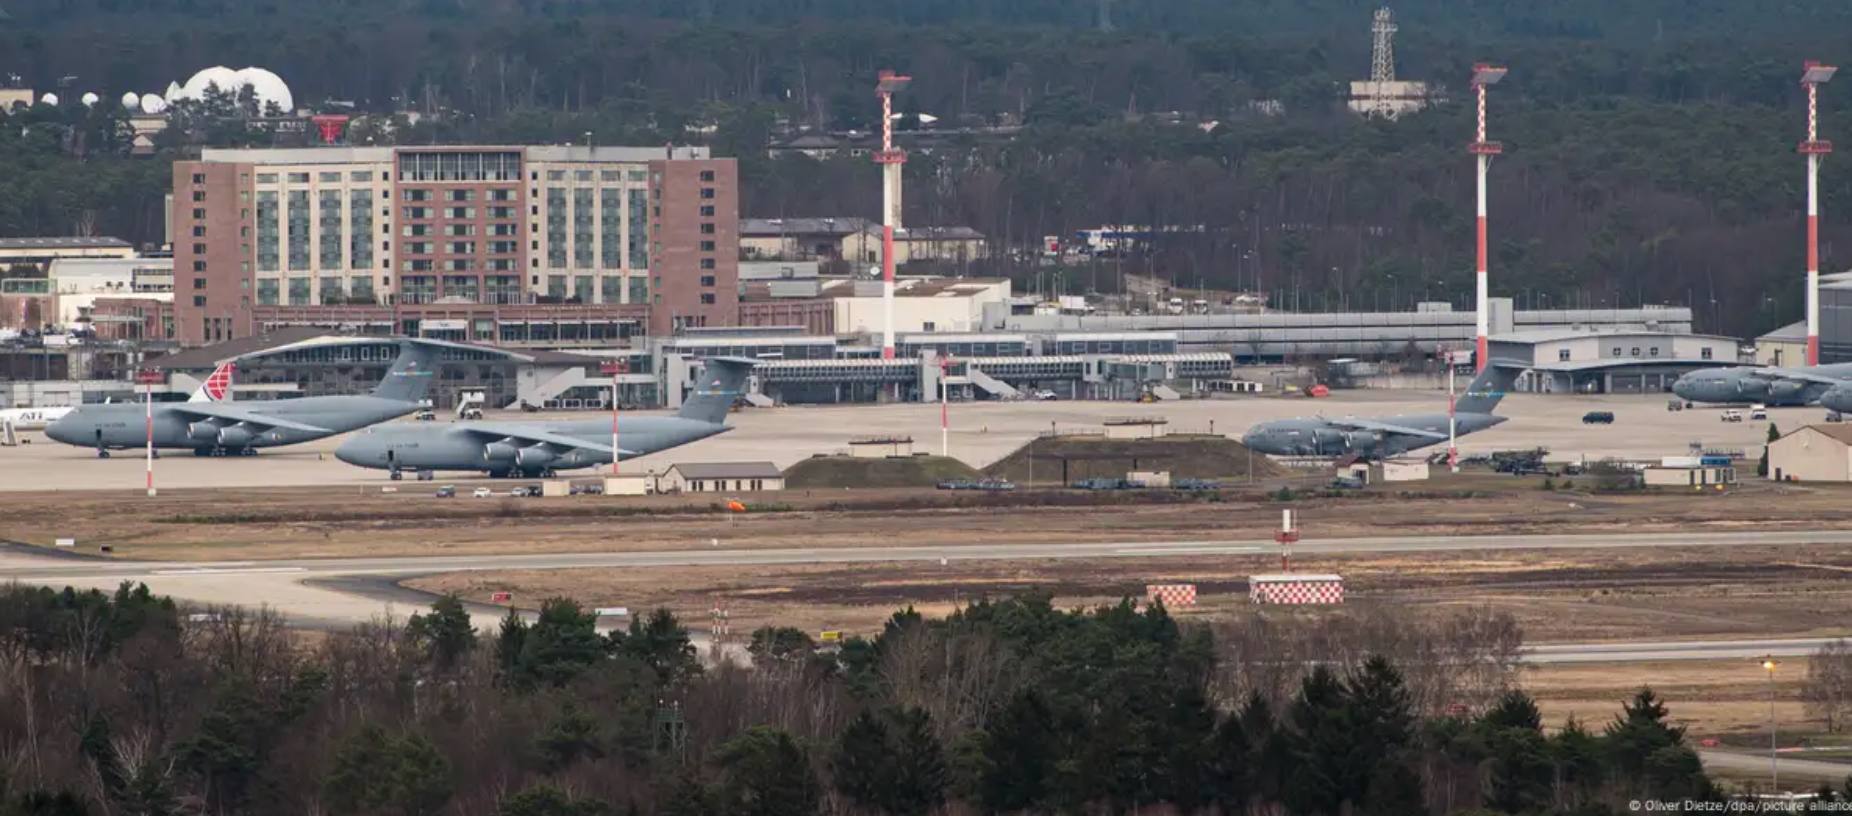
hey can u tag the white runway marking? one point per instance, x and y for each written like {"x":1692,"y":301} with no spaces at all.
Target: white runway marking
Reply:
{"x":215,"y":571}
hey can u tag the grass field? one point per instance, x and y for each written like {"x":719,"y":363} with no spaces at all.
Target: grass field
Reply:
{"x":842,"y":472}
{"x":333,"y":522}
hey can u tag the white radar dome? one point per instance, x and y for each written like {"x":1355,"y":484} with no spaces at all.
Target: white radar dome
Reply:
{"x":91,"y":99}
{"x":131,"y":100}
{"x":172,"y":92}
{"x":49,"y":99}
{"x":268,"y":87}
{"x":152,"y":104}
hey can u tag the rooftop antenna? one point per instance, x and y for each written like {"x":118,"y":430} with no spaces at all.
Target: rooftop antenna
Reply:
{"x":1382,"y":62}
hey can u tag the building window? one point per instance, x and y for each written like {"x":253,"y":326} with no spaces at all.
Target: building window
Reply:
{"x":199,"y":300}
{"x":199,"y":231}
{"x":199,"y":266}
{"x":707,"y":229}
{"x":610,"y":229}
{"x":583,"y":235}
{"x":707,"y":211}
{"x":556,"y":229}
{"x":331,"y":247}
{"x":1562,"y":355}
{"x":556,"y":175}
{"x":1704,"y":353}
{"x":707,"y":263}
{"x":637,"y":240}
{"x":707,"y":176}
{"x":268,"y":255}
{"x":199,"y":283}
{"x":1653,"y":352}
{"x":331,"y":178}
{"x":707,"y":192}
{"x":581,"y":175}
{"x":199,"y":212}
{"x":266,"y":178}
{"x":1616,"y":352}
{"x":199,"y":178}
{"x":460,"y":195}
{"x":707,"y":280}
{"x":415,"y":195}
{"x":707,"y":298}
{"x":707,"y":246}
{"x":1636,"y":351}
{"x":299,"y":178}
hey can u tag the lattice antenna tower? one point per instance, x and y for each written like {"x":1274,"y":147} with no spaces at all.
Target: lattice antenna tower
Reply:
{"x":1382,"y":60}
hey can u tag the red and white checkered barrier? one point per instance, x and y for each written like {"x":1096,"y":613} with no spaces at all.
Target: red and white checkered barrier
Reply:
{"x":1173,"y":595}
{"x":1296,"y":589}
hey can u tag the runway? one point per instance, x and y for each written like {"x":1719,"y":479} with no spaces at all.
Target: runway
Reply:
{"x":337,"y":592}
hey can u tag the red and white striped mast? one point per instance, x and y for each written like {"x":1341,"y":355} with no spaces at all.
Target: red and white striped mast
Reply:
{"x":148,"y":377}
{"x":617,"y":369}
{"x":891,"y":160}
{"x":1813,"y":77}
{"x":1484,"y":75}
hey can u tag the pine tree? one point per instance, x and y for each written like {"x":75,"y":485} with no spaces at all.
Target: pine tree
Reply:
{"x":444,"y":636}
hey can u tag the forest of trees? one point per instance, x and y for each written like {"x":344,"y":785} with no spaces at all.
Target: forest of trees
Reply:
{"x":125,"y":704}
{"x":1649,"y":146}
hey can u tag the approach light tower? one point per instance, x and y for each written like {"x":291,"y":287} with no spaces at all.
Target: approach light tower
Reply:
{"x":1813,"y":77}
{"x":891,"y":159}
{"x":1484,"y":76}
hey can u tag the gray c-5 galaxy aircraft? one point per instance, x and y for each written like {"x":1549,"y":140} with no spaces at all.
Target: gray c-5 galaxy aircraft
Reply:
{"x":1378,"y":437}
{"x":222,"y":428}
{"x":530,"y":449}
{"x":1769,"y":385}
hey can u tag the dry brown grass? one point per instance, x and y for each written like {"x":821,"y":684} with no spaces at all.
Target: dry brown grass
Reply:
{"x":336,"y":522}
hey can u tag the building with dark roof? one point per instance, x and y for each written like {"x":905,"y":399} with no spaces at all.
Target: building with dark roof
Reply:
{"x":720,"y":477}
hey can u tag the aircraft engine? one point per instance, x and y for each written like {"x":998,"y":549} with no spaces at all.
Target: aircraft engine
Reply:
{"x":207,"y":431}
{"x":1362,"y":440}
{"x":1785,"y":390}
{"x":1751,"y":387}
{"x":500,"y":451}
{"x":535,"y":457}
{"x":235,"y":437}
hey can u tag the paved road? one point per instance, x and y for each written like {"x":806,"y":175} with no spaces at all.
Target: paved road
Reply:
{"x":1807,"y":772}
{"x":365,"y":584}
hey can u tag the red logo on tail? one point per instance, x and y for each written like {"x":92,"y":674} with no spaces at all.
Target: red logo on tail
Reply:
{"x":219,"y":384}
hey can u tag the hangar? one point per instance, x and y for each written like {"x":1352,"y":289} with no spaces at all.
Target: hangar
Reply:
{"x":1589,"y":361}
{"x":1813,"y":453}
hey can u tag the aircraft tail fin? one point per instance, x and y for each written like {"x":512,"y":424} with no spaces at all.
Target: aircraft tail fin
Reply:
{"x":410,"y":375}
{"x":217,"y":387}
{"x":716,"y":388}
{"x":1484,"y":392}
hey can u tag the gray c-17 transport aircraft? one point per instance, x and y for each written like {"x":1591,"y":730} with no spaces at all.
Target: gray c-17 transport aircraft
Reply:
{"x":539,"y":448}
{"x":1769,"y":385}
{"x":222,"y":428}
{"x":1378,"y":437}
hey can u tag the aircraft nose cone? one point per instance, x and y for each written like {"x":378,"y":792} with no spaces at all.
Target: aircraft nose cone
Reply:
{"x":63,"y":429}
{"x":349,"y":451}
{"x":1682,"y":387}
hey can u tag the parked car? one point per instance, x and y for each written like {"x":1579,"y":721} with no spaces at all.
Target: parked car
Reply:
{"x":1758,"y":412}
{"x":426,"y":415}
{"x":1732,"y":415}
{"x":483,"y":493}
{"x":1598,"y":417}
{"x":447,"y":492}
{"x":1675,"y":405}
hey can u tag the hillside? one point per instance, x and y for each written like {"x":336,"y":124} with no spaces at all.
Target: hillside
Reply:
{"x":897,"y":471}
{"x":1089,"y":456}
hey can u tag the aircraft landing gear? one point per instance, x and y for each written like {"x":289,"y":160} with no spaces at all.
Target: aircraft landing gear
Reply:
{"x":247,"y":451}
{"x":396,"y":475}
{"x":102,"y":453}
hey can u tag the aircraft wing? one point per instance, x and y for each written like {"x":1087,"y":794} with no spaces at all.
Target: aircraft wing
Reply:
{"x":1384,"y":427}
{"x":1799,"y":374}
{"x":532,"y":433}
{"x":226,"y":411}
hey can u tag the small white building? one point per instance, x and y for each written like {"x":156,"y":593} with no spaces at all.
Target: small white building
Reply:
{"x":1812,"y":453}
{"x":720,"y":477}
{"x":1701,"y":477}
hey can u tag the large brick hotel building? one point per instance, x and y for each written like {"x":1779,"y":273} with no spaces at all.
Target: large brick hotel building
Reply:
{"x":549,"y":245}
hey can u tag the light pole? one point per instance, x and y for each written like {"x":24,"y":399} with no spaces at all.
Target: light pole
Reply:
{"x":147,"y":378}
{"x":945,"y":425}
{"x":1774,"y":766}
